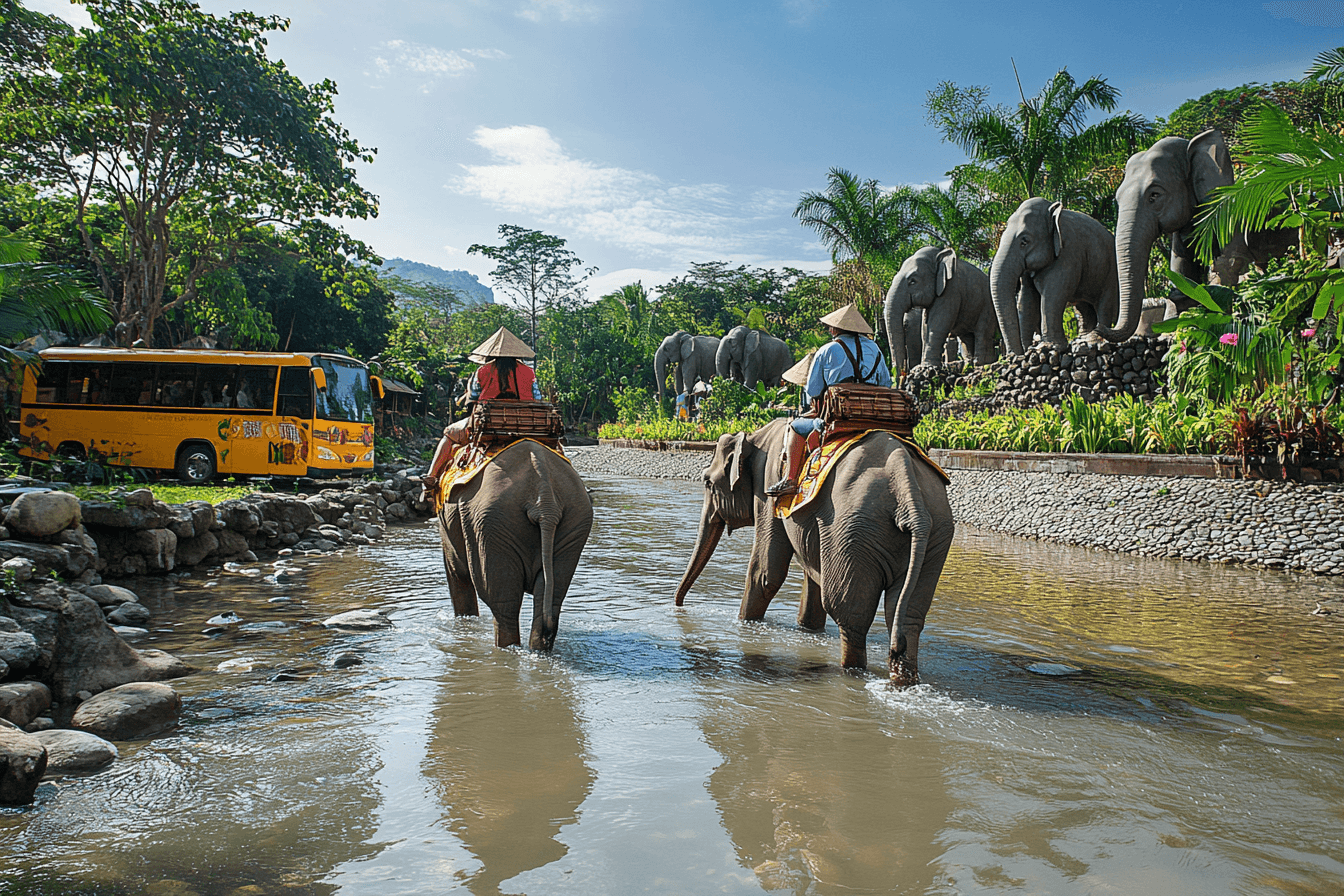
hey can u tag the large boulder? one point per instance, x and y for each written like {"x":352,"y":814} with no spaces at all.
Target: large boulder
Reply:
{"x":124,"y":516}
{"x":65,"y":560}
{"x":23,"y":701}
{"x":129,"y":712}
{"x":133,"y":613}
{"x":157,"y":546}
{"x":42,"y":514}
{"x":85,"y":654}
{"x":70,"y":752}
{"x":18,"y":650}
{"x":23,"y":761}
{"x":191,"y":551}
{"x":111,"y":595}
{"x":239,"y":516}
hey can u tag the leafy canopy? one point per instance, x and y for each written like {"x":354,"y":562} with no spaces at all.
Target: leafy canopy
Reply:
{"x":535,"y":269}
{"x":177,"y":120}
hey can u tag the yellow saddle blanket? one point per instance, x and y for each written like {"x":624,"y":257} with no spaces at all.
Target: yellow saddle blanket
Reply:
{"x":469,"y":462}
{"x":821,"y":461}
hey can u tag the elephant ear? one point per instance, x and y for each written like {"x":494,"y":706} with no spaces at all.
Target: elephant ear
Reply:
{"x":1210,"y":164}
{"x":687,"y":347}
{"x":735,"y":466}
{"x":947,"y":265}
{"x":1057,"y":209}
{"x":753,"y":341}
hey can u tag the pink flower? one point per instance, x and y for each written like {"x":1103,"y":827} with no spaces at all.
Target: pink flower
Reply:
{"x":1309,"y":332}
{"x":1182,"y":347}
{"x":1228,"y":339}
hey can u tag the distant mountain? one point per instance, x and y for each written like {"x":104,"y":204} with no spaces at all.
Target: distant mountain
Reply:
{"x":473,"y":291}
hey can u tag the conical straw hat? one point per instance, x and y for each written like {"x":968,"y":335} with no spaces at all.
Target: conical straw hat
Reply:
{"x":798,"y":373}
{"x":848,"y":319}
{"x":502,"y":344}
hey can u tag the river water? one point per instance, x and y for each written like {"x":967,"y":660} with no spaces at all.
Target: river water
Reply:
{"x":1089,"y":723}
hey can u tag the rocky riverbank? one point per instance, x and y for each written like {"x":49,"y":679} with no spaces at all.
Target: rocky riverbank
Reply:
{"x":72,"y":682}
{"x":1277,"y":525}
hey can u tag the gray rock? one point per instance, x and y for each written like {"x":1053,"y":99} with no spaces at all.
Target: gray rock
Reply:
{"x":358,"y":620}
{"x":192,"y":551}
{"x":23,"y":761}
{"x":71,"y":752}
{"x":42,"y":514}
{"x":20,"y":567}
{"x":157,"y":546}
{"x":23,"y":701}
{"x":127,"y":516}
{"x":129,"y":712}
{"x":18,"y":650}
{"x":111,"y":595}
{"x":133,"y":614}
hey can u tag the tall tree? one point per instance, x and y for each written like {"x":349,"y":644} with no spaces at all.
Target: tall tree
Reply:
{"x":36,"y":296}
{"x":535,"y":268}
{"x":177,"y":119}
{"x":1044,"y":146}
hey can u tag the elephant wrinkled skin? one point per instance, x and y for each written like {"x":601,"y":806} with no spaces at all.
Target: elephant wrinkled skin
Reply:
{"x":694,"y":357}
{"x":952,"y":297}
{"x":519,"y":526}
{"x":880,"y":529}
{"x":1049,"y":258}
{"x":750,"y":356}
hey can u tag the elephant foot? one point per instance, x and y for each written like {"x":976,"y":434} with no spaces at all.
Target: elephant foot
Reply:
{"x":853,"y":652}
{"x":541,"y":641}
{"x":904,"y":673}
{"x":1091,"y":337}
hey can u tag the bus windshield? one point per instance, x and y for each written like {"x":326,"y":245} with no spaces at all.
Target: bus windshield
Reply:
{"x":347,"y":396}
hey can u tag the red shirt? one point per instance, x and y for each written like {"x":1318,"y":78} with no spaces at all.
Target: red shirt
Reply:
{"x":519,"y":385}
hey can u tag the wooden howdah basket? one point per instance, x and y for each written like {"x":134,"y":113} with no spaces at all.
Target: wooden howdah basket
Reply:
{"x":497,"y":419}
{"x":850,"y":406}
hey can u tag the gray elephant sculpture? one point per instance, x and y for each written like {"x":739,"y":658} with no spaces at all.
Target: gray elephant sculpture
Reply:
{"x":749,"y":356}
{"x":879,"y":529}
{"x":1162,"y":189}
{"x":1050,"y":258}
{"x":518,"y":526}
{"x":694,"y":357}
{"x":952,"y":297}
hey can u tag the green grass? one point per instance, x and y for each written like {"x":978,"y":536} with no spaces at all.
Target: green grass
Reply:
{"x":171,"y":494}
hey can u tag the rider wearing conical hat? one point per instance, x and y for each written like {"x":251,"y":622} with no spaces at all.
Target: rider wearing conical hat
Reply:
{"x":501,"y":375}
{"x":850,"y":357}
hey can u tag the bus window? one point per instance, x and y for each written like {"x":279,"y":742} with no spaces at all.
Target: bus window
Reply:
{"x":256,"y":387}
{"x":296,"y":393}
{"x":52,"y":382}
{"x":86,"y":383}
{"x":347,"y":396}
{"x":176,"y":385}
{"x":131,"y":384}
{"x":215,"y":385}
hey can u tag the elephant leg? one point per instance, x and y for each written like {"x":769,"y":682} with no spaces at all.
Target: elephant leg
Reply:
{"x":811,"y":614}
{"x":767,"y":570}
{"x":463,"y":595}
{"x":1029,"y":311}
{"x":1053,"y":309}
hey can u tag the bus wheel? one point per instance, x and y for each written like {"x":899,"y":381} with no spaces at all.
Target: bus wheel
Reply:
{"x":196,"y":464}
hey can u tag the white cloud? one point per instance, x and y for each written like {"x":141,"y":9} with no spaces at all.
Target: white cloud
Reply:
{"x":1323,"y":13}
{"x":487,"y":54}
{"x":564,"y":10}
{"x":395,"y":57}
{"x":531,"y":174}
{"x":75,"y":15}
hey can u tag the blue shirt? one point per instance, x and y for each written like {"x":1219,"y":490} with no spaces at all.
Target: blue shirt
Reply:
{"x":831,"y":364}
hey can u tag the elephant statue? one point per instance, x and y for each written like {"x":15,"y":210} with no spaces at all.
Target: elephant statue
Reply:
{"x":519,"y":525}
{"x":880,"y":528}
{"x":694,"y":357}
{"x":1054,"y":257}
{"x":951,"y":296}
{"x":750,"y":356}
{"x":1162,"y":190}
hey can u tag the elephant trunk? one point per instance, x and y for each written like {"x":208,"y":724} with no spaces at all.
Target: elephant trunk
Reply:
{"x":1135,"y":234}
{"x":711,"y":530}
{"x":1005,"y":276}
{"x":723,"y":360}
{"x":545,"y":514}
{"x":893,"y":315}
{"x":660,"y":372}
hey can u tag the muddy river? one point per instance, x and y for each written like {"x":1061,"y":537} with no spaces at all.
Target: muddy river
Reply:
{"x":1088,"y":724}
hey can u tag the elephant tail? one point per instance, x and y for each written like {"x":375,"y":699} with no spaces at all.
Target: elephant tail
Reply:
{"x":545,"y":514}
{"x":911,"y":516}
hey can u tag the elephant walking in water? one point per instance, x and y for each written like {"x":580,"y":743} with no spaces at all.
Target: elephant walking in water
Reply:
{"x":518,"y":526}
{"x":880,"y":529}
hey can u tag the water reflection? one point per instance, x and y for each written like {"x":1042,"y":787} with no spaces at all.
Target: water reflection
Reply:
{"x":507,"y":757}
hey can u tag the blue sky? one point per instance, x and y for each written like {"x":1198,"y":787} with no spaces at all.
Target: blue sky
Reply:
{"x":652,"y":134}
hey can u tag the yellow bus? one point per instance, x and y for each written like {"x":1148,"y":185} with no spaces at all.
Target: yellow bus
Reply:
{"x":201,"y":413}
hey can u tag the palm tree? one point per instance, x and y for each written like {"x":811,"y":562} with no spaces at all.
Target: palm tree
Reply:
{"x":961,"y":216}
{"x":1044,"y":147}
{"x":35,"y":296}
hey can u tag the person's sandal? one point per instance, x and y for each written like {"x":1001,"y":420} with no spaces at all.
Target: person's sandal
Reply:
{"x":782,"y":488}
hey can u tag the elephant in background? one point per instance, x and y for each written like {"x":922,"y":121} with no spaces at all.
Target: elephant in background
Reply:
{"x":951,"y":297}
{"x":1162,"y":189}
{"x":1049,"y":258}
{"x":520,"y":525}
{"x":880,"y":529}
{"x":694,"y":357}
{"x":750,"y":356}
